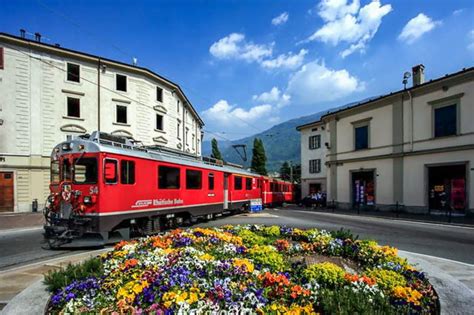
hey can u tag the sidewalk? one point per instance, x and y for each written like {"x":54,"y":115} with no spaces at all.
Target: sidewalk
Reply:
{"x":434,"y":217}
{"x":18,"y":220}
{"x":15,"y":283}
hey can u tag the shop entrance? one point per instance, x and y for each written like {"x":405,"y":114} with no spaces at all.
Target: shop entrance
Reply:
{"x":447,"y":187}
{"x":6,"y":191}
{"x":314,"y":188}
{"x":363,"y":188}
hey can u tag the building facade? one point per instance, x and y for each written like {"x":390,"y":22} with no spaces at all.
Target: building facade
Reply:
{"x":414,"y":147}
{"x":313,"y":158}
{"x":48,"y":92}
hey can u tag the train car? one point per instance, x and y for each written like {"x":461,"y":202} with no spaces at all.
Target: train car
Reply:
{"x":275,"y":192}
{"x":106,"y":188}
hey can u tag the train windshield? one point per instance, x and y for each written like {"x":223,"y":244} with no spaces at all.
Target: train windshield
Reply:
{"x":85,"y":171}
{"x":66,"y":171}
{"x":55,"y":174}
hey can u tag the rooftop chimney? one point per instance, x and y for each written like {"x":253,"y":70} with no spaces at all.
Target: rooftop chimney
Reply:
{"x":418,"y":74}
{"x":38,"y":37}
{"x":22,"y":33}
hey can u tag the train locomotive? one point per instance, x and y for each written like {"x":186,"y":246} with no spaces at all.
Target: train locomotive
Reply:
{"x":106,"y":188}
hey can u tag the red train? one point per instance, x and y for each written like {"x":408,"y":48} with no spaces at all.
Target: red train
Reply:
{"x":105,"y":188}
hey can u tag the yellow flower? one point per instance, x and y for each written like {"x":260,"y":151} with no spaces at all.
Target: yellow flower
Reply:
{"x":244,"y":262}
{"x":207,"y":257}
{"x":408,"y":294}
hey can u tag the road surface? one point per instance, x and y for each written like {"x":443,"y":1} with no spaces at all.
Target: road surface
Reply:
{"x":446,"y":241}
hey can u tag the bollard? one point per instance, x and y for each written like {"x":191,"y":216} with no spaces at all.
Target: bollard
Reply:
{"x":34,"y":205}
{"x":333,"y":205}
{"x":396,"y":209}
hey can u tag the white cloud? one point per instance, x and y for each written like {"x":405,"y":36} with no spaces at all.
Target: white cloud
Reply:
{"x":289,"y":61}
{"x":234,"y":46}
{"x":315,"y":83}
{"x":281,"y":19}
{"x":330,"y":10}
{"x":458,"y":12}
{"x":226,"y":115}
{"x":347,"y":22}
{"x":416,"y":27}
{"x":274,"y":96}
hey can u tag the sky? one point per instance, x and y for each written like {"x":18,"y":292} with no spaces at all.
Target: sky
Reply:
{"x":247,"y":65}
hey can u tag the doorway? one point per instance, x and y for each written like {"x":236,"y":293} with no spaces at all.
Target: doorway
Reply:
{"x":6,"y":191}
{"x":363,"y":188}
{"x":314,"y":188}
{"x":447,"y":187}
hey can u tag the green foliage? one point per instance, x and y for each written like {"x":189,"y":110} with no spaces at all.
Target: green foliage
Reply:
{"x":259,"y":158}
{"x":58,"y":279}
{"x":216,"y":154}
{"x":346,"y":301}
{"x":271,"y":231}
{"x":250,"y":238}
{"x":267,"y":255}
{"x":285,"y":171}
{"x":344,"y":234}
{"x":387,"y":279}
{"x":325,"y":273}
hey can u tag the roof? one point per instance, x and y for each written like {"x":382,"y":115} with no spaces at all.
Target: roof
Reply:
{"x":370,"y":100}
{"x":92,"y":146}
{"x":310,"y":124}
{"x":102,"y":59}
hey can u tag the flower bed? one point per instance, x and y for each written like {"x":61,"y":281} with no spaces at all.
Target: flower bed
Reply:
{"x":253,"y":269}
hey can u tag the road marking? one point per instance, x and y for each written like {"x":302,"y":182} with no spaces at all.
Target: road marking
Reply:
{"x":385,"y":219}
{"x":439,"y":258}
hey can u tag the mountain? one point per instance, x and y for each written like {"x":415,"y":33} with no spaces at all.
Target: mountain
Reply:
{"x":282,"y":142}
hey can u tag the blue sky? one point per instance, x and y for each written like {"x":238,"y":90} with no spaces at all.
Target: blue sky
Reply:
{"x":246,"y":65}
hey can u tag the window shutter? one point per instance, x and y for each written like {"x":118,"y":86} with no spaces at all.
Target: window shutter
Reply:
{"x":1,"y":58}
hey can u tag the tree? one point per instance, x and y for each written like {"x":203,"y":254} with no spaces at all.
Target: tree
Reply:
{"x":285,"y":171}
{"x":259,"y":158}
{"x":216,"y":154}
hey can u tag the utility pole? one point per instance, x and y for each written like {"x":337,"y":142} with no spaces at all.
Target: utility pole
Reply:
{"x":291,"y":172}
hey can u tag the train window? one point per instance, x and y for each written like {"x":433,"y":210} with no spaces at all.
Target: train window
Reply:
{"x":67,"y":170}
{"x":259,"y":183}
{"x":85,"y":171}
{"x":55,"y":174}
{"x":238,"y":183}
{"x":248,"y":184}
{"x":168,"y":177}
{"x":127,"y":172}
{"x":193,"y":179}
{"x":110,"y":171}
{"x":210,"y":185}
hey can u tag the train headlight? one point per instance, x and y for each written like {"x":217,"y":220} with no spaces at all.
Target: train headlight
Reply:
{"x":66,"y":146}
{"x":87,"y":200}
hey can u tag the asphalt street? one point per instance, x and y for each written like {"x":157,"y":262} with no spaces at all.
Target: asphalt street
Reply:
{"x":451,"y":242}
{"x":446,"y":241}
{"x":25,"y":246}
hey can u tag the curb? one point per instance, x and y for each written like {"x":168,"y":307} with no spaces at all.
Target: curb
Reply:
{"x":32,"y":300}
{"x":455,"y":297}
{"x":446,"y":224}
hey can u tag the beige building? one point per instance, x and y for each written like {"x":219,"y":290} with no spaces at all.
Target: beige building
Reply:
{"x":48,"y":92}
{"x":414,"y":147}
{"x":313,"y":157}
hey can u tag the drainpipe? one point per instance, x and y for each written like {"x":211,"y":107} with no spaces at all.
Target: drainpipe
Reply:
{"x":411,"y":121}
{"x":98,"y":95}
